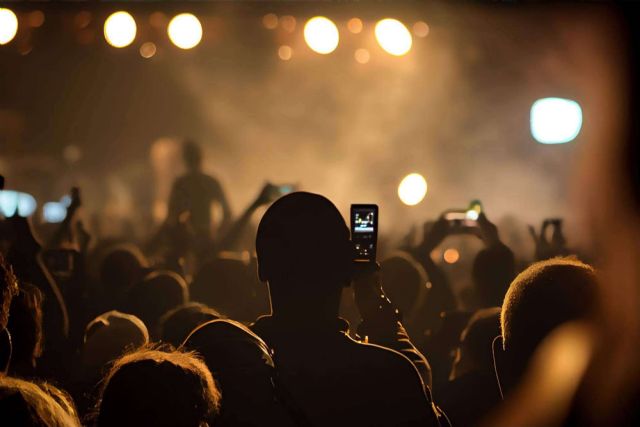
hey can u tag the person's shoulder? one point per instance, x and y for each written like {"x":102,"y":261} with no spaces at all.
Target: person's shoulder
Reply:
{"x":379,"y":356}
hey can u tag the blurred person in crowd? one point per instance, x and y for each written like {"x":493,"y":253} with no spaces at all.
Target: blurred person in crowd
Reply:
{"x":243,"y":368}
{"x":541,"y":298}
{"x":24,"y":403}
{"x":121,"y":268}
{"x":176,"y":324}
{"x":25,"y":326}
{"x":332,"y":378}
{"x":156,"y":294}
{"x":158,"y":388}
{"x":406,"y":285}
{"x":472,"y":392}
{"x":193,"y":194}
{"x":8,"y":290}
{"x":106,"y":338}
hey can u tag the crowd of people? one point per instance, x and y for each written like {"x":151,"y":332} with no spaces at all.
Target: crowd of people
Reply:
{"x":186,"y":334}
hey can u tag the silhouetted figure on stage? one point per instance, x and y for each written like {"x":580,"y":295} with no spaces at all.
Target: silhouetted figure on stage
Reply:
{"x":306,"y":256}
{"x":195,"y":192}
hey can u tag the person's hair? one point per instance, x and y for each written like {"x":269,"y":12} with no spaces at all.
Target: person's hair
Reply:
{"x":25,"y":403}
{"x":303,"y":237}
{"x":158,"y":388}
{"x":157,"y":293}
{"x":403,"y":278}
{"x":121,"y":267}
{"x":493,"y":270}
{"x":110,"y":335}
{"x":541,"y":298}
{"x":25,"y":325}
{"x":8,"y":289}
{"x":63,"y":398}
{"x":176,"y":325}
{"x":192,"y":154}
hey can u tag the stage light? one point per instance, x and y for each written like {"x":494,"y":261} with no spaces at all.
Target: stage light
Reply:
{"x":270,"y":21}
{"x":321,"y":35}
{"x":285,"y":53}
{"x":185,"y":31}
{"x":451,"y":256}
{"x":8,"y":25}
{"x":412,"y":189}
{"x":120,"y":29}
{"x":362,"y":56}
{"x":147,"y":50}
{"x":54,"y":212}
{"x":355,"y":25}
{"x":12,"y":202}
{"x":421,"y":29}
{"x":555,"y":120}
{"x":393,"y":37}
{"x":82,"y":19}
{"x":35,"y":19}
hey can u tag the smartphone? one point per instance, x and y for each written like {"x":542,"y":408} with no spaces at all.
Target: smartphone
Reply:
{"x":364,"y":231}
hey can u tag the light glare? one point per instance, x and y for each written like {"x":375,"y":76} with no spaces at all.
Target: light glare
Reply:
{"x":8,"y":25}
{"x":451,"y":256}
{"x":412,"y":189}
{"x":321,"y":35}
{"x":12,"y":202}
{"x":555,"y":120}
{"x":185,"y":31}
{"x":120,"y":29}
{"x":393,"y":37}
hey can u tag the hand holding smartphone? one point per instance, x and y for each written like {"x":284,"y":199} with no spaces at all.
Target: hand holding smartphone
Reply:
{"x":364,"y":231}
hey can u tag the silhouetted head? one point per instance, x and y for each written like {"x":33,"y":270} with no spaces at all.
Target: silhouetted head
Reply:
{"x":24,"y":403}
{"x":476,"y":340}
{"x":305,"y":253}
{"x":493,"y":270}
{"x":541,"y":298}
{"x":25,"y":325}
{"x":176,"y":325}
{"x":242,"y":365}
{"x":156,"y":294}
{"x":109,"y":336}
{"x":403,"y":279}
{"x":192,"y":155}
{"x":121,"y":267}
{"x":158,"y":388}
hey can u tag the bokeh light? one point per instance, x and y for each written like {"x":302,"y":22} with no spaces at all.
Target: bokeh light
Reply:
{"x":355,"y":25}
{"x":555,"y":120}
{"x":120,"y":29}
{"x":421,"y":29}
{"x":285,"y":52}
{"x":147,"y":50}
{"x":12,"y":202}
{"x":362,"y":56}
{"x":71,"y":153}
{"x":35,"y":19}
{"x":82,"y":19}
{"x":8,"y":25}
{"x":451,"y":256}
{"x":412,"y":189}
{"x":393,"y":37}
{"x":321,"y":35}
{"x":54,"y":212}
{"x":288,"y":23}
{"x":185,"y":31}
{"x":270,"y":21}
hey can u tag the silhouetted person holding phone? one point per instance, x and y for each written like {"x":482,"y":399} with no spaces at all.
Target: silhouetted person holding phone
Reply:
{"x":306,"y":256}
{"x":195,"y":192}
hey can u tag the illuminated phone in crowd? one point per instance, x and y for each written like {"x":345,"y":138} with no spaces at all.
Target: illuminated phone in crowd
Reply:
{"x":364,"y":231}
{"x":464,"y":220}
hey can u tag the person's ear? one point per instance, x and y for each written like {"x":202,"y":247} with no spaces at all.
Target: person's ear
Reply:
{"x":497,"y":347}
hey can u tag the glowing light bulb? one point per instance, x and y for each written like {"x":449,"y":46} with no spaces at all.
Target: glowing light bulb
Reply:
{"x":412,"y":189}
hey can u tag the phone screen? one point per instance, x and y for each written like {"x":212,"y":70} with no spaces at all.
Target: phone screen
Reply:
{"x":364,"y":231}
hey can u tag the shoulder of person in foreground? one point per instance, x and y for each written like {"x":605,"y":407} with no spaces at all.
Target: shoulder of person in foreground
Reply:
{"x":400,"y":383}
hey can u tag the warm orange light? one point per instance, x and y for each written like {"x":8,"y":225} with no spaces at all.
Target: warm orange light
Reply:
{"x":147,"y":50}
{"x":362,"y":56}
{"x":451,"y":256}
{"x":355,"y":25}
{"x":288,"y":23}
{"x":270,"y":21}
{"x":421,"y":29}
{"x":285,"y":53}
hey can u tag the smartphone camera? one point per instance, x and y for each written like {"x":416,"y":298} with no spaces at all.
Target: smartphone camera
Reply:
{"x":364,"y":231}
